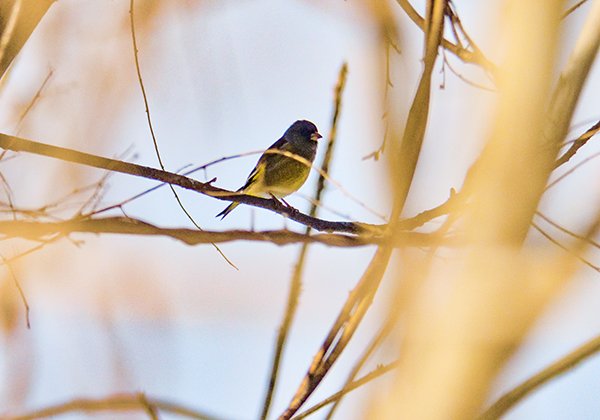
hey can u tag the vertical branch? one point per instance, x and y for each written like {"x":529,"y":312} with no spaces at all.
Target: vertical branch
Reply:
{"x":296,"y":281}
{"x":405,"y":157}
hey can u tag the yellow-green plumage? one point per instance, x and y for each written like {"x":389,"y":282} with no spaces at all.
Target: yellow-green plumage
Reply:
{"x":279,"y":175}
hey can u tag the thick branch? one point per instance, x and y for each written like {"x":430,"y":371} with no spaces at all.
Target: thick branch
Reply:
{"x":128,"y":226}
{"x":18,"y":144}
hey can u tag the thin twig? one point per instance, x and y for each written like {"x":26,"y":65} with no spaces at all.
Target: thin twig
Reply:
{"x":154,"y":141}
{"x":473,"y":57}
{"x":573,"y":169}
{"x":578,"y":143}
{"x":31,"y":250}
{"x":584,"y":238}
{"x":375,"y":155}
{"x":570,"y":251}
{"x":456,"y":22}
{"x":464,"y":79}
{"x":187,"y":173}
{"x":9,"y":267}
{"x":380,"y":371}
{"x":9,"y":195}
{"x":34,"y":100}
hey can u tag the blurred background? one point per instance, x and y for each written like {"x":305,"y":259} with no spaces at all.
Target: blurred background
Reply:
{"x":114,"y":313}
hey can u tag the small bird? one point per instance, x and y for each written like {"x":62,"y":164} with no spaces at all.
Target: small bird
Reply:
{"x":276,"y":175}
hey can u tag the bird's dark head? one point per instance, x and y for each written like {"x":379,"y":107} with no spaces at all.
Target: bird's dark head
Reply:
{"x":302,"y":130}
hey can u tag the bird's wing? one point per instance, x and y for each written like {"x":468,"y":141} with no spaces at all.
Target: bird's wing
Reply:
{"x":285,"y":174}
{"x":260,"y":167}
{"x":279,"y":160}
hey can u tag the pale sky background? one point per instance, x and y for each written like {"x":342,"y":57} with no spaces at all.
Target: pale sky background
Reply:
{"x":127,"y":314}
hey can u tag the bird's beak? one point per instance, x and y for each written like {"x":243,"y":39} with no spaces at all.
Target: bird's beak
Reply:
{"x":315,"y":136}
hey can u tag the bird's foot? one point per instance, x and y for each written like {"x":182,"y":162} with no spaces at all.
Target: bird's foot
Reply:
{"x":277,"y":200}
{"x":284,"y":203}
{"x":287,"y":204}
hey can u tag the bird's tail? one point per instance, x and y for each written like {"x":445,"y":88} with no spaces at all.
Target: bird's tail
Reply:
{"x":227,"y":210}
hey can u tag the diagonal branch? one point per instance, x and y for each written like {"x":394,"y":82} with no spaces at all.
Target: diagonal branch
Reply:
{"x":578,"y":144}
{"x":559,"y":367}
{"x":351,"y":386}
{"x":69,"y":155}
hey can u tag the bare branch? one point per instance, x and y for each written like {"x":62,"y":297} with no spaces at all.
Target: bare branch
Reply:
{"x":564,"y":364}
{"x":34,"y":100}
{"x":20,"y":290}
{"x":576,"y":252}
{"x":127,"y":226}
{"x":473,"y":57}
{"x":119,"y":402}
{"x":578,"y":144}
{"x":296,"y":281}
{"x":573,"y":8}
{"x":70,"y":155}
{"x":404,"y":161}
{"x":381,"y":370}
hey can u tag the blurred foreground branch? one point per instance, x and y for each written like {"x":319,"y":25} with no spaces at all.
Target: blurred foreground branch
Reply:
{"x":455,"y":341}
{"x":564,"y":364}
{"x":115,"y":403}
{"x":25,"y":15}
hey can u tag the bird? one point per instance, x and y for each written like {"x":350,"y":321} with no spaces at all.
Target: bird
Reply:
{"x":276,"y":175}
